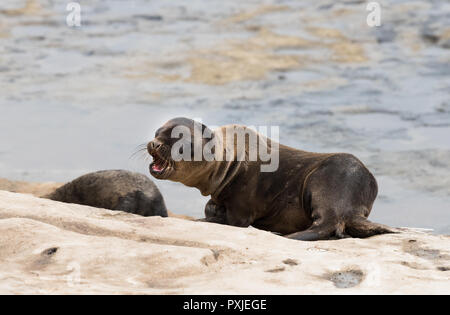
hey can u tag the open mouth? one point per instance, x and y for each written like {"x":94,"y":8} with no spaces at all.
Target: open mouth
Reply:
{"x":159,"y":164}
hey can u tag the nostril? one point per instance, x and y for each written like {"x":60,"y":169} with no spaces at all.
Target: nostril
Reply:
{"x":152,"y":146}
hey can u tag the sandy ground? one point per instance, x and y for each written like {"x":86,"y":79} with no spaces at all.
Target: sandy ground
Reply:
{"x":49,"y":248}
{"x":36,"y":189}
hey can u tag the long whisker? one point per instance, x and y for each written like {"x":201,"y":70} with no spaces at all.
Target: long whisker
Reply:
{"x":140,"y":153}
{"x":142,"y":145}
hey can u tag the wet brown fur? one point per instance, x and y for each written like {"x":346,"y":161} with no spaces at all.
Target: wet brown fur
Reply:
{"x":311,"y":196}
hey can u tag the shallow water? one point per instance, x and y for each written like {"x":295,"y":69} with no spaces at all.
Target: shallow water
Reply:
{"x":78,"y":100}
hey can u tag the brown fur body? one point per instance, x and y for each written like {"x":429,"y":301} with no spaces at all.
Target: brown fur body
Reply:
{"x":310,"y":196}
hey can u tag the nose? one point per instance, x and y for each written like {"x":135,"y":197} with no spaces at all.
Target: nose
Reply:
{"x":153,"y":145}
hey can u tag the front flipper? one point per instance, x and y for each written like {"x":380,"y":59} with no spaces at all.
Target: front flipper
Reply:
{"x":215,"y":213}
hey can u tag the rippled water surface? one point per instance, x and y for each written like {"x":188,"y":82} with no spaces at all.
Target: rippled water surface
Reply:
{"x":78,"y":100}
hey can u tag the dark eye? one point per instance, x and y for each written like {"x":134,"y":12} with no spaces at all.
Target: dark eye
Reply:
{"x":181,"y":150}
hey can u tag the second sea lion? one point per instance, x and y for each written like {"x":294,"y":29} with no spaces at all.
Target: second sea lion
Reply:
{"x":115,"y":190}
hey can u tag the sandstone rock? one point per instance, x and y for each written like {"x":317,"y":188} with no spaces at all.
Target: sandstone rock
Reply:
{"x":36,"y":189}
{"x":47,"y":247}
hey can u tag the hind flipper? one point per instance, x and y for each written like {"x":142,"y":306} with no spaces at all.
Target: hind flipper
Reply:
{"x":316,"y":232}
{"x":361,"y":227}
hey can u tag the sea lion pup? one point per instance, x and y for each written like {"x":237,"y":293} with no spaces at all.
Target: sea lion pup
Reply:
{"x":114,"y":190}
{"x":309,"y":196}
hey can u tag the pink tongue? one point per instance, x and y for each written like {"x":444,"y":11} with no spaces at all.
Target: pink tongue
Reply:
{"x":156,"y":168}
